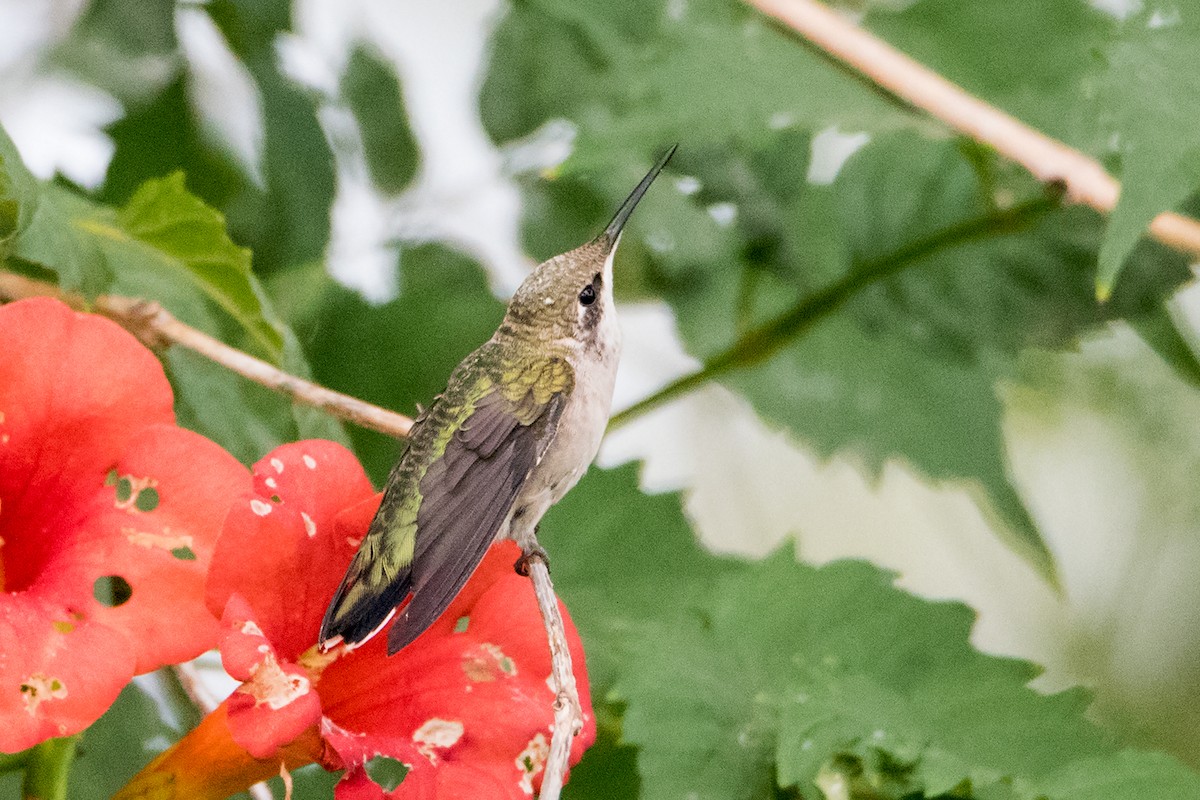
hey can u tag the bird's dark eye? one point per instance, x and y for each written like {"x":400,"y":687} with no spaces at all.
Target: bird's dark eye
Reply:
{"x":588,"y":295}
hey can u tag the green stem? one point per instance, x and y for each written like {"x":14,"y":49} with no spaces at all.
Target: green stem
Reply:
{"x":11,"y":762}
{"x":47,"y":769}
{"x":762,"y":342}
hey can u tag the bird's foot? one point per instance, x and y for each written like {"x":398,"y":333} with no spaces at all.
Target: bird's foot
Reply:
{"x":536,"y":552}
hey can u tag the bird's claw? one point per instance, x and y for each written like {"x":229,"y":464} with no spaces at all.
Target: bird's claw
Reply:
{"x":535,"y":552}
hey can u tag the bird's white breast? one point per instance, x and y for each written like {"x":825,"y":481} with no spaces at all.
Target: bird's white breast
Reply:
{"x":580,"y":429}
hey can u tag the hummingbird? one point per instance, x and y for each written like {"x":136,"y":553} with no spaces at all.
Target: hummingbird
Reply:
{"x":518,"y":424}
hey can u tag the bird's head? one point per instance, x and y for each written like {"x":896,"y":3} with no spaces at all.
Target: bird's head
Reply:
{"x":570,"y":295}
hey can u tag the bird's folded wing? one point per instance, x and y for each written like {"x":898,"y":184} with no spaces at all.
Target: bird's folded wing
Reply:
{"x":466,"y":495}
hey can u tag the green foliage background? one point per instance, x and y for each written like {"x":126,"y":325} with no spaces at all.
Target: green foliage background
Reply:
{"x":875,"y":317}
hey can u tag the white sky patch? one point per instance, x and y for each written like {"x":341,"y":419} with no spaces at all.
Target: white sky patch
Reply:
{"x":1163,"y":19}
{"x":461,"y":195}
{"x":780,"y":120}
{"x":687,"y":185}
{"x":1119,"y":9}
{"x":362,"y":254}
{"x":831,"y":149}
{"x":544,"y":149}
{"x":57,"y":124}
{"x":222,"y":91}
{"x":723,"y":213}
{"x":55,"y":121}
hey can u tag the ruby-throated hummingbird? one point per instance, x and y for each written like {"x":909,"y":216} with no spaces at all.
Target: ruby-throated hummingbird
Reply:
{"x":517,"y":426}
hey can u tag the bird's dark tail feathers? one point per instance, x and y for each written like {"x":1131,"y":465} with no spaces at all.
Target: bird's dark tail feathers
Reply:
{"x":357,"y":611}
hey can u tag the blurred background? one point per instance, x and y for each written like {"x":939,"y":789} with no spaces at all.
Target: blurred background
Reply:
{"x":397,"y":167}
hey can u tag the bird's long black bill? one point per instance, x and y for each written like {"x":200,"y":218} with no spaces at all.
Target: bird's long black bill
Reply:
{"x":622,"y":216}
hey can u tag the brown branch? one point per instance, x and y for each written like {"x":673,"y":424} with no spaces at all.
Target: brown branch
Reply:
{"x":157,"y":328}
{"x":568,"y":714}
{"x":1049,"y":160}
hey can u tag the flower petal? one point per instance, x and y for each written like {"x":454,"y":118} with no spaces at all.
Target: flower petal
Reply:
{"x":276,"y":701}
{"x":108,"y":516}
{"x":467,"y":706}
{"x":162,"y":554}
{"x":46,"y":688}
{"x":281,"y":535}
{"x":476,"y":698}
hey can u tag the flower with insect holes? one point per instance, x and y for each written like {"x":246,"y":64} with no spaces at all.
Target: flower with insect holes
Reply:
{"x":467,"y":708}
{"x":108,"y":517}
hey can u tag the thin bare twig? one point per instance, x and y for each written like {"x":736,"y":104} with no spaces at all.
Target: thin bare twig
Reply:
{"x":568,"y":714}
{"x":1049,"y":160}
{"x":157,"y":328}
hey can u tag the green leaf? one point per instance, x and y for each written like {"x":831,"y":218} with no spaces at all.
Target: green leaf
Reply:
{"x":125,"y":47}
{"x":1119,"y":89}
{"x":873,"y":317}
{"x":1129,"y":775}
{"x":636,"y":77}
{"x":161,"y":135}
{"x":608,"y":770}
{"x":403,"y":351}
{"x":287,"y":225}
{"x":1033,"y":64}
{"x":246,"y":419}
{"x":626,"y":565}
{"x":1145,"y":95}
{"x":10,"y":211}
{"x":185,"y":236}
{"x":284,"y":218}
{"x":48,"y":767}
{"x":786,"y":668}
{"x":53,"y":228}
{"x":374,"y":94}
{"x":1162,"y":332}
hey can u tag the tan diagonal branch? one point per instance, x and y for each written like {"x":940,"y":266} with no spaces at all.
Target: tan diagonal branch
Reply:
{"x":1049,"y":160}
